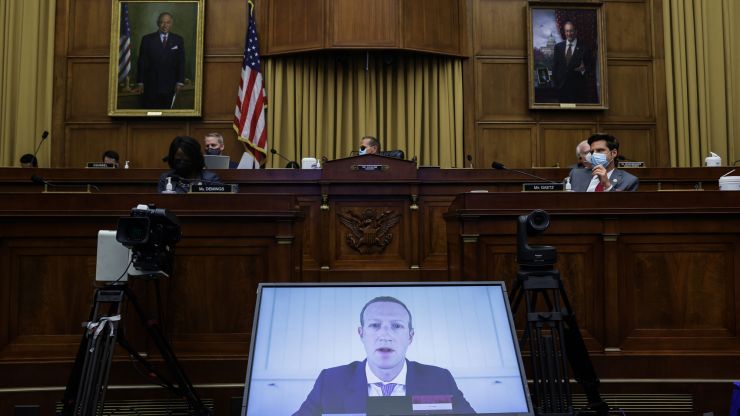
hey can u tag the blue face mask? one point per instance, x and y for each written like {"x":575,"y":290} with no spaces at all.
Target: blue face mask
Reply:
{"x":363,"y":150}
{"x":599,"y":159}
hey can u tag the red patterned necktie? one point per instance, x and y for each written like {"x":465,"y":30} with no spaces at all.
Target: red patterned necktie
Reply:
{"x":164,"y":41}
{"x":599,"y":187}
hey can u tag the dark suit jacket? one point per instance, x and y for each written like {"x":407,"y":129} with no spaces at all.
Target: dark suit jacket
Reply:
{"x":160,"y":68}
{"x":181,"y":187}
{"x":580,"y":178}
{"x":571,"y":84}
{"x":344,"y":389}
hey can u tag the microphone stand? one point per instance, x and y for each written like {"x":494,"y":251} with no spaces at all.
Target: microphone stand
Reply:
{"x":41,"y":181}
{"x":500,"y":166}
{"x":290,"y":162}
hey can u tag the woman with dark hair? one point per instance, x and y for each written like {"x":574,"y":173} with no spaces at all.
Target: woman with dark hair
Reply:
{"x":187,"y":166}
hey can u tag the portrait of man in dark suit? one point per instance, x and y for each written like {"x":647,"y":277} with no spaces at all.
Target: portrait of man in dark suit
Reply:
{"x":161,"y":65}
{"x":572,"y":67}
{"x":566,"y":58}
{"x":386,"y":331}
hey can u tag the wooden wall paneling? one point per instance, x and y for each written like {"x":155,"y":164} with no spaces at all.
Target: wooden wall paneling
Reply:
{"x":49,"y":295}
{"x":150,"y":142}
{"x":631,"y":89}
{"x":501,"y":93}
{"x":86,"y":143}
{"x":628,"y":29}
{"x":433,"y":25}
{"x":361,"y":23}
{"x":87,"y":90}
{"x":433,"y":237}
{"x":313,"y":235}
{"x":500,"y":28}
{"x":295,"y":25}
{"x":662,"y":146}
{"x":635,"y":142}
{"x":90,"y":28}
{"x":220,"y":286}
{"x":677,"y":294}
{"x":510,"y":144}
{"x":221,"y":77}
{"x":226,"y":25}
{"x":558,"y":143}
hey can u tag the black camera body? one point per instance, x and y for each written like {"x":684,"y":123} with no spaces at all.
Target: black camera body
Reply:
{"x":151,"y":233}
{"x":528,"y":256}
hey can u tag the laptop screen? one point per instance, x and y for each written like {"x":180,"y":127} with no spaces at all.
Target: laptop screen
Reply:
{"x":384,"y":348}
{"x":216,"y":161}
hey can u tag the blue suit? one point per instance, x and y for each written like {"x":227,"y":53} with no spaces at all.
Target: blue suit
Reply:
{"x":343,"y":389}
{"x":580,"y":178}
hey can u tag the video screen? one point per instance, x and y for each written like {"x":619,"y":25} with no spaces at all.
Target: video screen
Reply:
{"x":384,"y":349}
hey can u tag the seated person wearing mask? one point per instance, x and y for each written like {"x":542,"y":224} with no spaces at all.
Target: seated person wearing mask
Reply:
{"x":187,"y":166}
{"x":369,"y":145}
{"x":386,"y":331}
{"x":214,"y":143}
{"x":603,"y":177}
{"x":583,"y":154}
{"x":111,"y":156}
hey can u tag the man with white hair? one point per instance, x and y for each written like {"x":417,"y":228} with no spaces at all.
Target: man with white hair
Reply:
{"x":583,"y":153}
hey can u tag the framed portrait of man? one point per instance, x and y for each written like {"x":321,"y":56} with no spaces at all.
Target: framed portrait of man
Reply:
{"x":567,"y":55}
{"x":156,"y":58}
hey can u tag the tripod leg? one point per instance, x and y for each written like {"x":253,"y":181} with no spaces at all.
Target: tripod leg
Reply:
{"x":184,"y":386}
{"x":580,"y":361}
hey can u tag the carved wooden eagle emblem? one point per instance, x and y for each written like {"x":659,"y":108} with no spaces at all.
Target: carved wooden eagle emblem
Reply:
{"x":370,"y":231}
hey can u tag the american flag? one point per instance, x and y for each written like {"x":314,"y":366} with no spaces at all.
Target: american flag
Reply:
{"x":251,"y":101}
{"x":124,"y":45}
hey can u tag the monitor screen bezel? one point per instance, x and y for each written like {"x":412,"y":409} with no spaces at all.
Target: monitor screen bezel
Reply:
{"x":502,"y":284}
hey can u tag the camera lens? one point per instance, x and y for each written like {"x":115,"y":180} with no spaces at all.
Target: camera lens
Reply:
{"x":538,"y":220}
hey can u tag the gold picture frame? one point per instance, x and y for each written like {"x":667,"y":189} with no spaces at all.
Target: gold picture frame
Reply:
{"x":567,"y":55}
{"x":150,"y":74}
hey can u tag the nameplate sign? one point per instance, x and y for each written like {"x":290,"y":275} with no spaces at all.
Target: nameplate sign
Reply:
{"x":370,"y":168}
{"x":543,"y":187}
{"x":100,"y":165}
{"x":214,"y":189}
{"x":631,"y":164}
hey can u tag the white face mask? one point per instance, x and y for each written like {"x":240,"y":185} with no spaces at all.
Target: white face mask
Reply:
{"x":363,"y":150}
{"x":600,"y":159}
{"x":587,"y":158}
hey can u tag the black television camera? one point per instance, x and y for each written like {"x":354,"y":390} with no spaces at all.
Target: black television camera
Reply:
{"x":528,"y":256}
{"x":151,"y":233}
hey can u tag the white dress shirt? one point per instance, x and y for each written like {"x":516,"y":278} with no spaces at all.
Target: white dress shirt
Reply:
{"x":374,"y":391}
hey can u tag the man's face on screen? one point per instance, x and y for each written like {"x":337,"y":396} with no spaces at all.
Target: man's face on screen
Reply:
{"x":385,"y":335}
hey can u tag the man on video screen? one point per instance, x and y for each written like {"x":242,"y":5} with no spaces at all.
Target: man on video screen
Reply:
{"x":386,"y":331}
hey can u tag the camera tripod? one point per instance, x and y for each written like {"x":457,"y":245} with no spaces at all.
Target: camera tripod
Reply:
{"x":554,"y":341}
{"x":88,"y":382}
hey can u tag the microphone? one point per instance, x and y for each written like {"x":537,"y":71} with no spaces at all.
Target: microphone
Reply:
{"x":38,"y":180}
{"x":44,"y":135}
{"x":275,"y":152}
{"x":470,"y":161}
{"x":500,"y":166}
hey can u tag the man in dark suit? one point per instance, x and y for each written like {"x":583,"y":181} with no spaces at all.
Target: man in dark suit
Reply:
{"x":571,"y":65}
{"x":603,"y":177}
{"x":161,"y":65}
{"x":386,"y":331}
